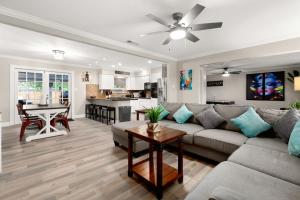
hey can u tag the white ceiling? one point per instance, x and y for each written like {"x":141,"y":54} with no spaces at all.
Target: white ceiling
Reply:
{"x":24,"y":43}
{"x":246,"y":22}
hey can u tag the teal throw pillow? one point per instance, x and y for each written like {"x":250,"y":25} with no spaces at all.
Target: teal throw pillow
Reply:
{"x":182,"y":115}
{"x":294,"y":142}
{"x":250,"y":123}
{"x":163,"y":114}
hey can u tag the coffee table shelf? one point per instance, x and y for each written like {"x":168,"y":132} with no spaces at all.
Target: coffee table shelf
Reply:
{"x":155,"y":172}
{"x":147,"y":171}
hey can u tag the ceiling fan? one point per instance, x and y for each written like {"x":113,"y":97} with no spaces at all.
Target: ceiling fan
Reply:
{"x":226,"y":72}
{"x":183,"y":26}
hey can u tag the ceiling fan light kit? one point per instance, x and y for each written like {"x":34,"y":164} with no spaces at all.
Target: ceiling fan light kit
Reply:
{"x":225,"y":74}
{"x":178,"y":34}
{"x":183,"y":26}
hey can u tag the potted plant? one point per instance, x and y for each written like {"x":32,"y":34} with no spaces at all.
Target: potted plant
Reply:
{"x":295,"y":105}
{"x":153,"y":116}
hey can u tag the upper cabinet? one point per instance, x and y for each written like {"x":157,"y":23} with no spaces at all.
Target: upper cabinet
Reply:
{"x":154,"y":77}
{"x":139,"y":82}
{"x":110,"y":81}
{"x":106,"y":81}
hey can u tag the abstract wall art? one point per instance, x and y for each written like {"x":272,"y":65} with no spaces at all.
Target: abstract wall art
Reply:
{"x":186,"y":79}
{"x":265,"y":86}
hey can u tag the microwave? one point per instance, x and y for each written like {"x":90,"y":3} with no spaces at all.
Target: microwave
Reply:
{"x":147,"y":86}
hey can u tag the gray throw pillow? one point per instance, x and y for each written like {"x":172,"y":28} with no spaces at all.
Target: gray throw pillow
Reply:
{"x":209,"y":118}
{"x":284,"y":126}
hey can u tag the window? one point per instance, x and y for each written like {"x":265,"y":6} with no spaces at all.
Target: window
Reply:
{"x":58,"y":88}
{"x":30,"y":87}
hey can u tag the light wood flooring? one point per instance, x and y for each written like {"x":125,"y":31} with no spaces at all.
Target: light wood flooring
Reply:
{"x":83,"y":165}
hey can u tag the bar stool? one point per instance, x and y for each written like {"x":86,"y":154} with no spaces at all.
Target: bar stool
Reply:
{"x":98,"y":113}
{"x":108,"y":114}
{"x":90,"y":111}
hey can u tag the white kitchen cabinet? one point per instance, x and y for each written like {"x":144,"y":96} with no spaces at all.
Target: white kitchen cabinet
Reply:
{"x":131,"y":80}
{"x":139,"y":82}
{"x":154,"y":77}
{"x":128,"y":83}
{"x":134,"y":105}
{"x":106,"y":82}
{"x":153,"y":102}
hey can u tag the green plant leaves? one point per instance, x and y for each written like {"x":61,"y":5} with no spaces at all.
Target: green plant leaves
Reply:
{"x":153,"y":114}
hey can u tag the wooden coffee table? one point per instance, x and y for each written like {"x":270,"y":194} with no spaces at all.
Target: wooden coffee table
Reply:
{"x":156,"y":173}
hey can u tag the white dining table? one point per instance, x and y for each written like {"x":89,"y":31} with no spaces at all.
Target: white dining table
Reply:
{"x":46,"y":113}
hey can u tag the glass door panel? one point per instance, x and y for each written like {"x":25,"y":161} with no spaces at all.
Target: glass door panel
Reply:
{"x":29,"y":87}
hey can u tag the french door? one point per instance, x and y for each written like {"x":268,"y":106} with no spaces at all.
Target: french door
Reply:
{"x":33,"y":85}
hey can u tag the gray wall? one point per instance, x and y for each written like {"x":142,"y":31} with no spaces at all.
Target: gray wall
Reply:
{"x":5,"y":82}
{"x":235,"y":89}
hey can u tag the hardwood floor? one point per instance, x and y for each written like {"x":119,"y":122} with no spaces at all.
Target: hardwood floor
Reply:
{"x":82,"y":165}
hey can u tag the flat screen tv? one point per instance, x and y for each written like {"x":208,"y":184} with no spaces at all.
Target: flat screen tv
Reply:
{"x":265,"y":86}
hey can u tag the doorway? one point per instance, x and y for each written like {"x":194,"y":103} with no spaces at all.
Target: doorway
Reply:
{"x":31,"y":85}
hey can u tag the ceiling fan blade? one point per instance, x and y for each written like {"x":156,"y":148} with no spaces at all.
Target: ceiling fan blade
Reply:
{"x":189,"y":17}
{"x":235,"y":72}
{"x":198,"y":27}
{"x":191,"y":37}
{"x":157,"y":19}
{"x":154,"y":33}
{"x":167,"y":41}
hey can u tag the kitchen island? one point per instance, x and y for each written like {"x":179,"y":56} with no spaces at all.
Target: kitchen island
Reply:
{"x":112,"y":102}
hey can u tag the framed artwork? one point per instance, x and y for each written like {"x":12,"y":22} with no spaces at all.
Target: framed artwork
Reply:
{"x":186,"y":79}
{"x":265,"y":86}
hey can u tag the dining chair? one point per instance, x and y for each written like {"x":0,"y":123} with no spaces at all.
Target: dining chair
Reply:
{"x":27,"y":120}
{"x":62,"y":118}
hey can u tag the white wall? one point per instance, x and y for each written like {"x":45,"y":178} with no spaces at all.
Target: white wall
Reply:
{"x":199,"y":91}
{"x":234,"y":88}
{"x":6,"y":62}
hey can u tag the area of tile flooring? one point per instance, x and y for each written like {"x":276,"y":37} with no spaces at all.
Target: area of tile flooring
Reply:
{"x":83,"y":165}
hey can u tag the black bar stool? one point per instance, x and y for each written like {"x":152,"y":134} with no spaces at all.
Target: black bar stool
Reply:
{"x":98,"y":113}
{"x":108,"y":114}
{"x":90,"y":111}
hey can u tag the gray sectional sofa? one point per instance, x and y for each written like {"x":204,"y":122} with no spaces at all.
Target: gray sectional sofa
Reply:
{"x":250,"y":168}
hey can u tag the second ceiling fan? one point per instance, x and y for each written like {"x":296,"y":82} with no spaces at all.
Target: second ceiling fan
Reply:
{"x":183,"y":26}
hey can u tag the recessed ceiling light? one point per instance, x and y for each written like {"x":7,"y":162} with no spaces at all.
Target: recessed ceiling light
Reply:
{"x":119,"y":63}
{"x":90,"y":65}
{"x":96,"y":62}
{"x":113,"y":66}
{"x":149,"y":61}
{"x":142,"y":35}
{"x":104,"y":59}
{"x":58,"y":54}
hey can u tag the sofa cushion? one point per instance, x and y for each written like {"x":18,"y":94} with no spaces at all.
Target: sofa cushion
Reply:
{"x":274,"y":163}
{"x":269,"y":143}
{"x":250,"y":123}
{"x":195,"y":109}
{"x":209,"y":118}
{"x":250,"y":183}
{"x":220,"y":140}
{"x":171,"y":108}
{"x":228,"y":112}
{"x":223,"y":193}
{"x":294,"y":142}
{"x":182,"y":115}
{"x":119,"y":128}
{"x":166,"y":122}
{"x":270,"y":115}
{"x":189,"y":128}
{"x":284,"y":126}
{"x":163,"y":114}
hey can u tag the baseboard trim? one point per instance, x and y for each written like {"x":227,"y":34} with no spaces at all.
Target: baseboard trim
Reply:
{"x":5,"y":124}
{"x":79,"y":116}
